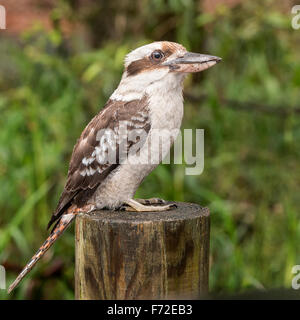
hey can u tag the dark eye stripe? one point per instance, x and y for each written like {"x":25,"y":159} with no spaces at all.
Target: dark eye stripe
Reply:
{"x":147,"y":63}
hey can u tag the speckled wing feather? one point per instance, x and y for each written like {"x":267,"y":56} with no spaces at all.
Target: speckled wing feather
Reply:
{"x":89,"y":164}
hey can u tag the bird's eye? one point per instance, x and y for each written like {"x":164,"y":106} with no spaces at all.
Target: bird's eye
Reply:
{"x":157,"y":55}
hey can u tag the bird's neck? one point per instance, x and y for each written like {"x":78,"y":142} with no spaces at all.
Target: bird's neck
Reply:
{"x":135,"y":88}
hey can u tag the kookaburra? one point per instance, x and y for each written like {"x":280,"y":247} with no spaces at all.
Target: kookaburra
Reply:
{"x":148,"y":98}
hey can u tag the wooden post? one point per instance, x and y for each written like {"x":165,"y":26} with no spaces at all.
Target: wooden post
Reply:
{"x":149,"y":255}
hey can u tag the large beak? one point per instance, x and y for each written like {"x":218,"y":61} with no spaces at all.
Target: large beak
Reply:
{"x":192,"y":62}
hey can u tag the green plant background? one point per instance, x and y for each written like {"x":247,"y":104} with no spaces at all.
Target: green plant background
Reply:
{"x":51,"y":85}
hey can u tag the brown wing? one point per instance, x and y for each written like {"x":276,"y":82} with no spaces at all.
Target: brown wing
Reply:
{"x":91,"y":158}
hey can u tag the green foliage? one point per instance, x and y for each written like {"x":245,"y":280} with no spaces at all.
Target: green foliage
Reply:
{"x":50,"y":88}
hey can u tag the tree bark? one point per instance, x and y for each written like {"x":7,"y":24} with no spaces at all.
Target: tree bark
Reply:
{"x":148,"y":255}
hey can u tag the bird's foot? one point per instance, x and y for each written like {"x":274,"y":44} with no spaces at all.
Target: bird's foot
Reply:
{"x":137,"y":205}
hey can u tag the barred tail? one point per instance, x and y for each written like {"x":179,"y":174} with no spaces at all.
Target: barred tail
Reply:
{"x":61,"y":226}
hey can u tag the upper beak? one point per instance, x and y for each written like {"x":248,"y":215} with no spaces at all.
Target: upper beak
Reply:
{"x":192,"y":62}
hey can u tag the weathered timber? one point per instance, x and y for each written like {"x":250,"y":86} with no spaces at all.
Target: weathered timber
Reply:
{"x":150,"y":255}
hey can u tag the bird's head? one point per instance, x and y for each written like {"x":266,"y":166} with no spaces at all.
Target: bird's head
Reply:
{"x":162,"y":64}
{"x":166,"y":57}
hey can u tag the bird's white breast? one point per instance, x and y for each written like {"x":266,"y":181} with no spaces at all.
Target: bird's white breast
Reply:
{"x":166,"y":104}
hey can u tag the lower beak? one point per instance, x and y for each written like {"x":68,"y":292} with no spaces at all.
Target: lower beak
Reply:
{"x":192,"y":62}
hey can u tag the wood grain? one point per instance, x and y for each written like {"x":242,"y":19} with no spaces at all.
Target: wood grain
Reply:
{"x":152,"y":255}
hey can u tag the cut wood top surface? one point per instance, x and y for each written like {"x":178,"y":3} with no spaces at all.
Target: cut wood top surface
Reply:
{"x":184,"y":211}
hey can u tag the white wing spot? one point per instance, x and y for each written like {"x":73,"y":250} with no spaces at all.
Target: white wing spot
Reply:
{"x":138,"y":119}
{"x":88,"y":161}
{"x":83,"y":173}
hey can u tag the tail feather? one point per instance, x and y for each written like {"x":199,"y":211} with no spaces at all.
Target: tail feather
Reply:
{"x":60,"y":227}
